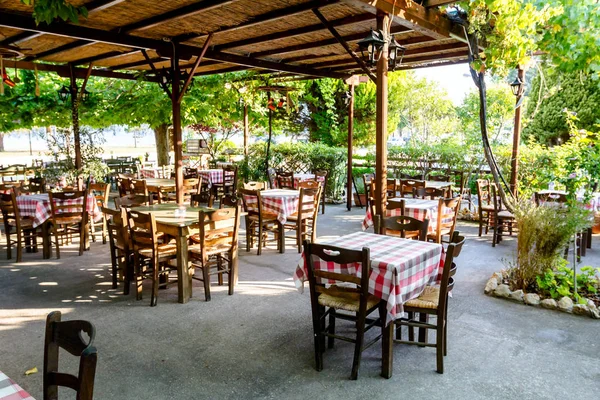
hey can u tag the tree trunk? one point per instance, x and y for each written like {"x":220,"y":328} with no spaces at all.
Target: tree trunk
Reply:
{"x":1,"y":141}
{"x":161,"y":136}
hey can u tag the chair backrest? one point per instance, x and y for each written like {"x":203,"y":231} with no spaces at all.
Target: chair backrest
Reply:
{"x":101,"y":192}
{"x":318,"y":256}
{"x":69,"y":204}
{"x":483,"y":192}
{"x":255,"y":185}
{"x":229,"y":201}
{"x":191,"y":186}
{"x":404,"y":226}
{"x":367,"y":179}
{"x":252,"y":201}
{"x":308,"y":203}
{"x":407,"y":186}
{"x":68,"y":336}
{"x":447,"y":283}
{"x":9,"y":187}
{"x":189,"y":173}
{"x":550,"y":198}
{"x":285,"y":180}
{"x":230,"y":173}
{"x":413,"y":177}
{"x":219,"y":228}
{"x":392,"y":187}
{"x":123,"y":185}
{"x":139,"y":187}
{"x":439,"y":178}
{"x":34,"y":185}
{"x":132,"y":200}
{"x":118,"y":228}
{"x":10,"y":210}
{"x":321,"y":176}
{"x":309,"y":184}
{"x":447,"y":214}
{"x":142,"y":231}
{"x":429,"y":193}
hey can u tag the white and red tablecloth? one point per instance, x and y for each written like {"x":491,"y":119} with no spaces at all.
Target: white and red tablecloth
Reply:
{"x":149,"y":173}
{"x":9,"y":390}
{"x":415,"y":208}
{"x":593,"y":203}
{"x":400,"y":268}
{"x":211,"y":176}
{"x":297,"y":179}
{"x":38,"y":207}
{"x":277,"y":201}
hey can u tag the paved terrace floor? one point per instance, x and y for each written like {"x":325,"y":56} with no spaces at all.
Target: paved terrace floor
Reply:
{"x":258,"y":344}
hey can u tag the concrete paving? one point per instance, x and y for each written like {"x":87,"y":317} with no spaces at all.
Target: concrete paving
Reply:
{"x":257,"y":344}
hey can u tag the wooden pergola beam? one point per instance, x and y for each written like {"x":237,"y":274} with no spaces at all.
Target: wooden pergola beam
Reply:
{"x":411,"y":64}
{"x":437,"y":3}
{"x":194,"y":68}
{"x":104,"y":56}
{"x":80,"y":73}
{"x":345,"y":45}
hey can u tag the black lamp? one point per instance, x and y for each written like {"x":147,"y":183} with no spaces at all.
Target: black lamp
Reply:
{"x":64,"y":93}
{"x":396,"y":53}
{"x":371,"y":46}
{"x":517,"y":86}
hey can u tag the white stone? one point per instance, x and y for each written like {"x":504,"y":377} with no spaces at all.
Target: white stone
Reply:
{"x":499,"y":277}
{"x":490,"y":286}
{"x":532,"y":299}
{"x":581,"y":309}
{"x":565,"y":304}
{"x":502,"y":291}
{"x":594,"y":311}
{"x":549,"y":304}
{"x":517,"y":295}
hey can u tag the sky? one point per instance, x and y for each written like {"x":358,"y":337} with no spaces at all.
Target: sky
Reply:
{"x":454,"y":78}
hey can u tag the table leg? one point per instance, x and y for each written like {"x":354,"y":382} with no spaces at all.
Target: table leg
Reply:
{"x":281,"y":237}
{"x":184,"y":279}
{"x":387,"y":342}
{"x":46,"y":245}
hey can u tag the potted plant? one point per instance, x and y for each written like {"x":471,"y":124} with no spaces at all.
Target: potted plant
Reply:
{"x":146,"y":156}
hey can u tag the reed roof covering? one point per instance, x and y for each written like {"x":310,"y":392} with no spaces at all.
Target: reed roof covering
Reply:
{"x":265,"y":35}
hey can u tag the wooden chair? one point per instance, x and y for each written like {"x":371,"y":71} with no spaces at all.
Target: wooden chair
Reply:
{"x":33,"y":186}
{"x":69,"y":216}
{"x":10,"y":187}
{"x":255,"y":185}
{"x":123,"y":185}
{"x":304,"y":221}
{"x":285,"y":180}
{"x":229,"y":201}
{"x":504,"y":221}
{"x":413,"y":177}
{"x":151,"y":258}
{"x":369,"y":182}
{"x":228,"y":186}
{"x":331,"y":301}
{"x":190,"y":187}
{"x":190,"y":173}
{"x":121,"y":256}
{"x":68,"y":336}
{"x":433,"y":301}
{"x":309,"y":184}
{"x":101,"y":191}
{"x":217,"y":247}
{"x":259,"y":222}
{"x":404,"y":227}
{"x":321,"y":173}
{"x":485,"y":206}
{"x":429,"y":193}
{"x":14,"y":223}
{"x":392,"y":188}
{"x":446,"y":219}
{"x":408,"y":185}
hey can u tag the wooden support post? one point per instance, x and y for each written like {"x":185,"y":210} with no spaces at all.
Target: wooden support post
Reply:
{"x":177,"y":136}
{"x":383,"y":21}
{"x":516,"y":136}
{"x":350,"y":145}
{"x":75,"y":117}
{"x":246,"y":129}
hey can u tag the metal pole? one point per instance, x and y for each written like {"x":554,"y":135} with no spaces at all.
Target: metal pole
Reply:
{"x":516,"y":137}
{"x":383,"y":21}
{"x":350,"y":135}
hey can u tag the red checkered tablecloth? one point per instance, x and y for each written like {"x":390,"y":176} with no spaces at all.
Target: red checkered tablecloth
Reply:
{"x":277,"y":201}
{"x":400,"y":268}
{"x":38,"y":207}
{"x":149,"y":173}
{"x":211,"y":176}
{"x":9,"y":390}
{"x":299,"y":178}
{"x":415,"y":208}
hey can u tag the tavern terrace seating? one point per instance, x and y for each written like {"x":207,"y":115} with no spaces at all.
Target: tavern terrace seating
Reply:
{"x":14,"y":224}
{"x":304,"y":221}
{"x":404,"y":227}
{"x":69,"y":216}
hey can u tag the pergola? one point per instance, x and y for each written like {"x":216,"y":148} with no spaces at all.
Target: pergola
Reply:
{"x":173,"y":41}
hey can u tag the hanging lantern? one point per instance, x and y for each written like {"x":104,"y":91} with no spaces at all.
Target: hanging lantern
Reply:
{"x":517,"y":86}
{"x":281,"y":103}
{"x":6,"y":79}
{"x":396,"y":53}
{"x":64,"y":93}
{"x":371,"y":46}
{"x":272,"y":104}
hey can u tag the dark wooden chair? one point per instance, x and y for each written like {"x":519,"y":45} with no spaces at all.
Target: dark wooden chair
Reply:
{"x":432,"y":302}
{"x":285,"y":180}
{"x":392,"y":187}
{"x":216,"y":249}
{"x":68,"y":336}
{"x":304,"y":221}
{"x":228,"y":186}
{"x":485,"y":206}
{"x":69,"y":217}
{"x":101,"y":191}
{"x":258,"y":222}
{"x":321,"y":176}
{"x":446,"y":219}
{"x":429,"y":193}
{"x":504,"y":221}
{"x":229,"y":201}
{"x":121,"y":256}
{"x":404,"y":227}
{"x":341,"y":302}
{"x":368,"y":182}
{"x":33,"y":186}
{"x":151,"y":257}
{"x":123,"y":185}
{"x":407,"y":186}
{"x":15,"y":224}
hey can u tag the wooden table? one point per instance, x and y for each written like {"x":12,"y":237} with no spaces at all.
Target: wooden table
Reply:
{"x":438,"y":184}
{"x":181,"y":228}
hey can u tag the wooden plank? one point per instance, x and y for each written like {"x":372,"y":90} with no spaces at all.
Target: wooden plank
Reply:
{"x":194,"y":67}
{"x":383,"y":21}
{"x":437,"y":3}
{"x":80,"y":73}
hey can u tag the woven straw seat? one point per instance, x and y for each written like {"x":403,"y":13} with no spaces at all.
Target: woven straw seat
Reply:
{"x":505,"y":214}
{"x":196,"y":237}
{"x":265,"y":217}
{"x":342,"y":298}
{"x":294,"y":216}
{"x":25,"y":223}
{"x":428,"y":299}
{"x":164,"y":250}
{"x":68,"y":220}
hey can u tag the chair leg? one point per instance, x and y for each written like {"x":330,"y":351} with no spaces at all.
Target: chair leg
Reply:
{"x":260,"y":239}
{"x":206,"y":280}
{"x":299,"y":224}
{"x":411,"y":330}
{"x":439,"y":344}
{"x":19,"y":246}
{"x":8,"y":245}
{"x":330,"y":340}
{"x":318,"y":334}
{"x":220,"y":268}
{"x":154,"y":295}
{"x":232,"y":273}
{"x":114,"y":261}
{"x":104,"y":230}
{"x":423,"y":331}
{"x":138,"y":277}
{"x":82,"y":238}
{"x":93,"y":230}
{"x":360,"y":334}
{"x":480,"y":225}
{"x":446,"y":330}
